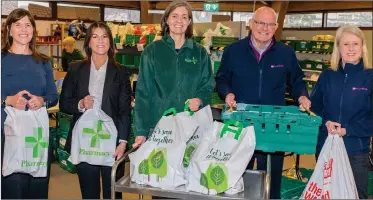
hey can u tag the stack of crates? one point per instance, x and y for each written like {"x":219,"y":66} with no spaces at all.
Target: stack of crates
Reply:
{"x":278,"y":128}
{"x":64,"y":122}
{"x":220,"y":41}
{"x":132,"y":40}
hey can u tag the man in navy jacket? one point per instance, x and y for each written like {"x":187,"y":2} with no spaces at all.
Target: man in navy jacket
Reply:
{"x":257,"y":70}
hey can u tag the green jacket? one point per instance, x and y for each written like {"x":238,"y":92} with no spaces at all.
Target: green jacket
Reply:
{"x":67,"y":58}
{"x":167,"y":79}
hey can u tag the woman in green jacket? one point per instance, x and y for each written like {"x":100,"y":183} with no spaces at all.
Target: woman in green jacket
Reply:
{"x":172,"y":71}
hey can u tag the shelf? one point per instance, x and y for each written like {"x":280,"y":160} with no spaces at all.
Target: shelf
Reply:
{"x":129,"y":51}
{"x":314,"y":52}
{"x":309,"y":70}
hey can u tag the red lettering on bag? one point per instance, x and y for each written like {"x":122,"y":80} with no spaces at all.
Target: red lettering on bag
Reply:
{"x":326,"y":195}
{"x":328,"y":168}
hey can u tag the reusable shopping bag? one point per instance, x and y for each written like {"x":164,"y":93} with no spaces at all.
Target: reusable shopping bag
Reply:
{"x":94,"y":139}
{"x":26,"y":142}
{"x":221,"y":158}
{"x":159,"y":161}
{"x":204,"y":119}
{"x":332,"y":177}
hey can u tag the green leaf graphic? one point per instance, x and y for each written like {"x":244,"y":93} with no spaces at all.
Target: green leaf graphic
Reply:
{"x":143,"y":167}
{"x":157,"y":159}
{"x":94,"y":141}
{"x":203,"y":181}
{"x":188,"y":154}
{"x":104,"y":136}
{"x":217,"y":175}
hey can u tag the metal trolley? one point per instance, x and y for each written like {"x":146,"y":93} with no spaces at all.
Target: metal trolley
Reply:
{"x":257,"y":186}
{"x":277,"y":128}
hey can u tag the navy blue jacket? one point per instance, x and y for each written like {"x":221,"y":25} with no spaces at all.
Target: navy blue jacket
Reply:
{"x":345,"y":96}
{"x":262,"y":82}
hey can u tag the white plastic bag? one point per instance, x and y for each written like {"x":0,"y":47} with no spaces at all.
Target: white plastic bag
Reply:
{"x":159,"y":161}
{"x":332,"y":177}
{"x":94,"y":139}
{"x":221,"y":158}
{"x":26,"y":142}
{"x":204,"y":119}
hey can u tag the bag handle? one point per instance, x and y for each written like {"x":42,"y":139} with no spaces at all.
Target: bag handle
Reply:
{"x":186,"y":108}
{"x":226,"y":129}
{"x":170,"y":111}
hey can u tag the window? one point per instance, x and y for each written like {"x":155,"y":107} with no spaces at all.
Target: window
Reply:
{"x":156,"y":11}
{"x":202,"y":16}
{"x":38,"y":9}
{"x":309,"y":20}
{"x":362,"y":19}
{"x":242,"y":16}
{"x":75,"y":11}
{"x":119,"y":14}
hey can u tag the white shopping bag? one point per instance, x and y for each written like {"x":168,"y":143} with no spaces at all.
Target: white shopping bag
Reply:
{"x":26,"y":142}
{"x":94,"y":139}
{"x":221,"y":158}
{"x":159,"y":161}
{"x":332,"y":177}
{"x":204,"y":119}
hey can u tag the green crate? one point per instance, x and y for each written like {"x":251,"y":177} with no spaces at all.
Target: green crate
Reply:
{"x":216,"y":66}
{"x":279,"y":128}
{"x":291,"y":188}
{"x":118,"y":58}
{"x":290,"y":43}
{"x":128,"y":60}
{"x":319,"y":66}
{"x":64,"y":163}
{"x":150,"y":38}
{"x":132,"y":39}
{"x":215,"y":99}
{"x":310,"y":84}
{"x":302,"y":45}
{"x":64,"y":121}
{"x":219,"y":41}
{"x":136,"y":61}
{"x":198,"y":39}
{"x":307,"y":64}
{"x":322,"y":46}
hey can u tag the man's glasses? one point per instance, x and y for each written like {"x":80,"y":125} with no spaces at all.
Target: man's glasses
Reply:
{"x":263,"y":24}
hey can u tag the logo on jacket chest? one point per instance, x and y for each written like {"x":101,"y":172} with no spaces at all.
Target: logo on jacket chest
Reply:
{"x":191,"y":60}
{"x":359,"y":89}
{"x":277,"y":66}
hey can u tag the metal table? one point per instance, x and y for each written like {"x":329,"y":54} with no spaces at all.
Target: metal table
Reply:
{"x":257,"y":186}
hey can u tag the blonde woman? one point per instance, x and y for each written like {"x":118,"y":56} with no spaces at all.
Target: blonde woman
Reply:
{"x":70,"y":53}
{"x":343,"y":98}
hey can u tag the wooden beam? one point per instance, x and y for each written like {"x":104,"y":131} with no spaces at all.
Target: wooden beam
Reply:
{"x":304,"y":6}
{"x":223,"y":6}
{"x":281,"y":8}
{"x":128,"y":4}
{"x":145,"y":17}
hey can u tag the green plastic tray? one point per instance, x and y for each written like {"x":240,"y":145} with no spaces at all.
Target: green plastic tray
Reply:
{"x":302,"y":45}
{"x":278,"y":128}
{"x":64,"y":121}
{"x":64,"y":163}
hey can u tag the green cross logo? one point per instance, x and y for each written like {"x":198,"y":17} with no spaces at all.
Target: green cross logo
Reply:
{"x":193,"y":60}
{"x":37,"y":142}
{"x":96,"y":135}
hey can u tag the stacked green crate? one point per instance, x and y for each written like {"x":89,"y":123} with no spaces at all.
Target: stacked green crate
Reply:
{"x":220,"y":41}
{"x":198,"y":39}
{"x":64,"y":123}
{"x":279,"y":128}
{"x":132,"y":40}
{"x":370,"y":183}
{"x":149,"y":38}
{"x":302,"y":45}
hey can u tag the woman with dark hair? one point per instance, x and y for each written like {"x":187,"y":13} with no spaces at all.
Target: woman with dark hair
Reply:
{"x":101,"y":81}
{"x":26,"y":83}
{"x":172,"y":71}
